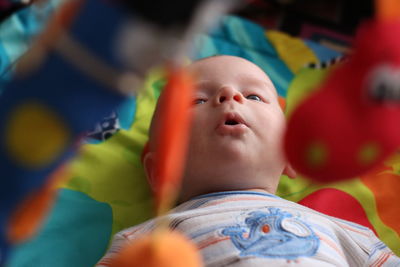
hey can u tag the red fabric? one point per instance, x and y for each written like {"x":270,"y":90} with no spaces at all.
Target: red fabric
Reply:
{"x":338,"y":204}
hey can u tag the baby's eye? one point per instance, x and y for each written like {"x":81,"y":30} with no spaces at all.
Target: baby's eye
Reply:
{"x":254,"y":97}
{"x":199,"y":101}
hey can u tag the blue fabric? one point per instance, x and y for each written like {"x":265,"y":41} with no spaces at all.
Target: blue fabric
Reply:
{"x":122,"y":118}
{"x":96,"y":27}
{"x":323,"y":53}
{"x":126,"y":112}
{"x":246,"y":33}
{"x":17,"y":32}
{"x":76,"y":99}
{"x":59,"y":87}
{"x":75,"y":234}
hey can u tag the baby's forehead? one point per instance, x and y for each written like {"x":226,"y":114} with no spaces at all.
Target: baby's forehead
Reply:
{"x":220,"y":69}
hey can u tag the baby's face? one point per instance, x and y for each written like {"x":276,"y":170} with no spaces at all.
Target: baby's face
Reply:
{"x":235,"y":140}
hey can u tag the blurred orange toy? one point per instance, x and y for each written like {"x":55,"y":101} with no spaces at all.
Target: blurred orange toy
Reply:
{"x":172,"y":137}
{"x":161,"y":249}
{"x":164,"y":248}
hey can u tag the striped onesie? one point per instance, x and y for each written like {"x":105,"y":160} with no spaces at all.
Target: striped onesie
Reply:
{"x":244,"y":228}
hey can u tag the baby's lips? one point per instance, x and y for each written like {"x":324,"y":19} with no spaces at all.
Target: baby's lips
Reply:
{"x":231,"y":124}
{"x":234,"y":117}
{"x":236,"y":130}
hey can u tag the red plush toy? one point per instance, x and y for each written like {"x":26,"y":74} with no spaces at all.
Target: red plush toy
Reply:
{"x":352,"y":123}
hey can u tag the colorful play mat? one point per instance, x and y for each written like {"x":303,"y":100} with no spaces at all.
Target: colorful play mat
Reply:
{"x":107,"y":190}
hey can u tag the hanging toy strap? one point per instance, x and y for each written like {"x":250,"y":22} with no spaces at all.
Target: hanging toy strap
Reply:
{"x":173,"y":137}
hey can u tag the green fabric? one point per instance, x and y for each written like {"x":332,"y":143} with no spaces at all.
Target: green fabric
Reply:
{"x":305,"y":82}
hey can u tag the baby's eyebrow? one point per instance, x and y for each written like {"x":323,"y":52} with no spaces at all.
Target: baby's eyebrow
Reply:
{"x":205,"y":85}
{"x":202,"y":82}
{"x":252,"y":81}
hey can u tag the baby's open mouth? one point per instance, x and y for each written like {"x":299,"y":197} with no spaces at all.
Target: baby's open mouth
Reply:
{"x":231,"y":122}
{"x":232,"y":119}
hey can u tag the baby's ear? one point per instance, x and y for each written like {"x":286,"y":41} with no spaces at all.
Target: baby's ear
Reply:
{"x":289,"y":171}
{"x":148,"y":163}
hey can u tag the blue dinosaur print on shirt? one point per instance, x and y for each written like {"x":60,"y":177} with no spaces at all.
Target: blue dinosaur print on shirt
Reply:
{"x":277,"y":234}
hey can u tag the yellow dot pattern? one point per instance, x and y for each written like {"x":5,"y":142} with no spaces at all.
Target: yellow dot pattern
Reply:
{"x":34,"y":135}
{"x":368,"y":153}
{"x":316,"y":154}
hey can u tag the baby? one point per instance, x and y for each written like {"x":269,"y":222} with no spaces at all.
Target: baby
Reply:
{"x":233,"y":168}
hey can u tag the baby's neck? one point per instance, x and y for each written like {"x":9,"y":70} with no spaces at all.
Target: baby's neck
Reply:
{"x":262,"y":190}
{"x":259,"y":190}
{"x":214,"y":180}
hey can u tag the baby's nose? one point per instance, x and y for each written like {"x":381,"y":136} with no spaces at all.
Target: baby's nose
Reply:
{"x":228,"y":93}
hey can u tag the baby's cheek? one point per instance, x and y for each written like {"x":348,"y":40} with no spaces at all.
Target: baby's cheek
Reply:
{"x":199,"y":120}
{"x":279,"y":120}
{"x":196,"y":136}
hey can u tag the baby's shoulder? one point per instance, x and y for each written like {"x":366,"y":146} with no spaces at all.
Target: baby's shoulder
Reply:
{"x":335,"y":223}
{"x":345,"y":232}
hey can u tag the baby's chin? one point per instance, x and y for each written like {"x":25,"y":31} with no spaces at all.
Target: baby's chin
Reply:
{"x":232,"y":150}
